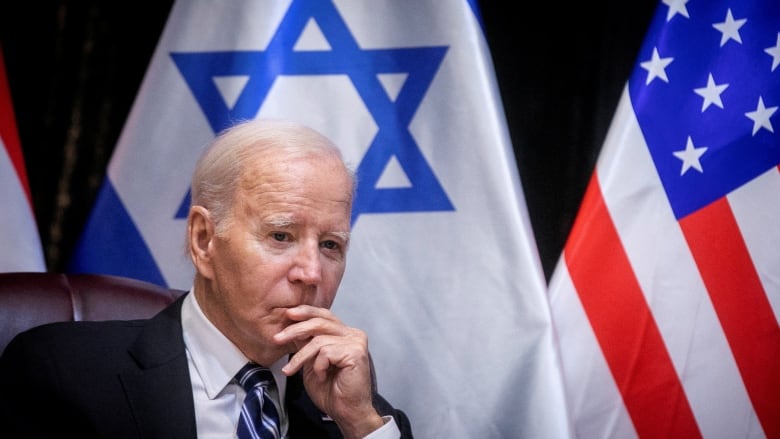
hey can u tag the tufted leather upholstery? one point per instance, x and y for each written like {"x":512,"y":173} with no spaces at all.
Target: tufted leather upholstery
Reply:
{"x":32,"y":299}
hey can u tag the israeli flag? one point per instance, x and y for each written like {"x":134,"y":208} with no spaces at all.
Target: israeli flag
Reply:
{"x":443,"y":272}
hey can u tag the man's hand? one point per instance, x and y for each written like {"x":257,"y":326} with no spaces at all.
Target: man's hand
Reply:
{"x":336,"y":367}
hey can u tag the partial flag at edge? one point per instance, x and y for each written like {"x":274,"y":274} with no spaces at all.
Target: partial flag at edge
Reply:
{"x":19,"y":238}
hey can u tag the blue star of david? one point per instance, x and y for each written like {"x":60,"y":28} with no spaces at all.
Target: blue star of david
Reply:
{"x":393,"y":138}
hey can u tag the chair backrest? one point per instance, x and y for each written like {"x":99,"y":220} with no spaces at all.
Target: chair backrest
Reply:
{"x":32,"y":299}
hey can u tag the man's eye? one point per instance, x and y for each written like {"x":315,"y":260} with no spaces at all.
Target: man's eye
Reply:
{"x":330,"y":245}
{"x":279,"y":236}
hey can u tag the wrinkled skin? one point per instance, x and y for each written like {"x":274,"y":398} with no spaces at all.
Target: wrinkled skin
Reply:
{"x":269,"y":280}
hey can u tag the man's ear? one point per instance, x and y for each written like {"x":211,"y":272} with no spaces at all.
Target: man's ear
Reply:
{"x":200,"y":234}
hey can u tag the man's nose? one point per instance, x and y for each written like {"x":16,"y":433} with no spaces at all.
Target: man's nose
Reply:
{"x":307,"y":267}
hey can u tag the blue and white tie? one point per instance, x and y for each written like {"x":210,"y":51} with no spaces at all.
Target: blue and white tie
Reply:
{"x":259,"y":418}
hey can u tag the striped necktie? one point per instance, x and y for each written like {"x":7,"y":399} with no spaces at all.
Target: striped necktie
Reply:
{"x":259,"y":418}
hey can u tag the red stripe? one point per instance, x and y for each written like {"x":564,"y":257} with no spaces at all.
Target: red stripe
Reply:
{"x":8,"y":132}
{"x":624,"y":325}
{"x":741,"y":304}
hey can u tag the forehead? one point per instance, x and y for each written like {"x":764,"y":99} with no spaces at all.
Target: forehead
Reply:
{"x":295,"y":188}
{"x":309,"y":167}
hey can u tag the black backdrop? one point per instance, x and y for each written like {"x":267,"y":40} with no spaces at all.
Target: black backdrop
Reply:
{"x":74,"y":68}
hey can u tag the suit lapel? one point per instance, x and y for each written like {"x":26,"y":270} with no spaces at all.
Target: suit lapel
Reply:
{"x":159,"y":391}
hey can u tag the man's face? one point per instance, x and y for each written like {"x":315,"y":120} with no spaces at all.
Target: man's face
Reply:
{"x":285,"y":246}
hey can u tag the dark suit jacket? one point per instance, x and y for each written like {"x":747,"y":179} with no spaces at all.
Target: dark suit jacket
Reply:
{"x":122,"y":379}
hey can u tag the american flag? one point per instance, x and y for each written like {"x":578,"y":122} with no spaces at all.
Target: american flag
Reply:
{"x":666,"y":298}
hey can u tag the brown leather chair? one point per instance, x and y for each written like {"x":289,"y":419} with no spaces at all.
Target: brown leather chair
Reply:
{"x":32,"y":299}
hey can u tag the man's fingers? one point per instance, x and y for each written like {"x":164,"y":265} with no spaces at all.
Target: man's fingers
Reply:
{"x":328,"y":350}
{"x":307,"y":329}
{"x":309,"y":321}
{"x":306,"y":312}
{"x":313,"y":350}
{"x":321,"y":338}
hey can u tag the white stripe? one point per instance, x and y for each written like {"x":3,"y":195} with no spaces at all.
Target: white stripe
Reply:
{"x":593,"y":401}
{"x":757,"y":209}
{"x":19,"y":239}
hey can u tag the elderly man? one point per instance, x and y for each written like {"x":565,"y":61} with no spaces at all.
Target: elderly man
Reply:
{"x":267,"y":232}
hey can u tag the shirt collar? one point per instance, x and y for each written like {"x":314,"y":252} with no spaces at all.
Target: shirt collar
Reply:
{"x":216,"y":359}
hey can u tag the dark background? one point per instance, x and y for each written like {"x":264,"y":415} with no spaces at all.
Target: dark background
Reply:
{"x":74,"y":69}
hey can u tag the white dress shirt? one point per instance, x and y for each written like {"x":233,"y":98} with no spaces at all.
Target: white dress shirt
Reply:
{"x":213,"y":363}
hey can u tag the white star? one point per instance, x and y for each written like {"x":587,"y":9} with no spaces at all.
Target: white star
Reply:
{"x":774,"y":52}
{"x":690,"y":156}
{"x":655,"y":67}
{"x":676,"y":7}
{"x":730,"y":28}
{"x":761,"y":116}
{"x":711,"y":93}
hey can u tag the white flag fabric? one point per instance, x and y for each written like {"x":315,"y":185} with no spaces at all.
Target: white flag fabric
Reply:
{"x":19,"y":238}
{"x":442,"y":272}
{"x":667,"y":297}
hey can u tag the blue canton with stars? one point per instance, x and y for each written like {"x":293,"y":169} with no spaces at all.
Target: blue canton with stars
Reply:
{"x":393,"y":138}
{"x":705,"y":92}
